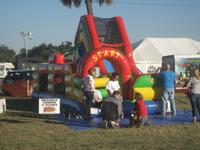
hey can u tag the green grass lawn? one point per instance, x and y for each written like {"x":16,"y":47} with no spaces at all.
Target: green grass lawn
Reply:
{"x":24,"y":130}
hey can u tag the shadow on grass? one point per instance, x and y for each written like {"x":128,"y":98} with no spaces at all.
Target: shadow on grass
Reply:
{"x":12,"y":121}
{"x":24,"y":107}
{"x":27,"y":114}
{"x":52,"y":122}
{"x":22,"y":104}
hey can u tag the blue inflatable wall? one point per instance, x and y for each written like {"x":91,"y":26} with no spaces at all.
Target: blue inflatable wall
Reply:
{"x":152,"y":107}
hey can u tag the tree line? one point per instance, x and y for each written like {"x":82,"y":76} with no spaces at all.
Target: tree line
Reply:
{"x":37,"y":54}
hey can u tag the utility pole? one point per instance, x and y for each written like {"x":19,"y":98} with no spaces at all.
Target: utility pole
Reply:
{"x":25,"y":37}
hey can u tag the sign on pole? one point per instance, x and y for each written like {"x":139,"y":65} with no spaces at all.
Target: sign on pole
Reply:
{"x":49,"y":106}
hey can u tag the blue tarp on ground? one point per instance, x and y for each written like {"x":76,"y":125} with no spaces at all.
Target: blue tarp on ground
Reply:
{"x":182,"y":117}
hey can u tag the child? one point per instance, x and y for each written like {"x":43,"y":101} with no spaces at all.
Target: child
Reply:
{"x":140,"y":111}
{"x":113,"y":84}
{"x":97,"y":99}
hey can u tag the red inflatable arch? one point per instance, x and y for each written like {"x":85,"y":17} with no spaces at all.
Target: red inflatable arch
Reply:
{"x":118,"y":60}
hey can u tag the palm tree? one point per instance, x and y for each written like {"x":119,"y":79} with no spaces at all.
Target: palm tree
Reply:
{"x":88,"y":3}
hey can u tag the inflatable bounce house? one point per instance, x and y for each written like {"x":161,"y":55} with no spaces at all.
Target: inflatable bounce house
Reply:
{"x":102,"y":43}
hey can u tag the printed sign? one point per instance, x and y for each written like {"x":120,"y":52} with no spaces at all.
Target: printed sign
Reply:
{"x":184,"y":68}
{"x":49,"y":106}
{"x":183,"y":65}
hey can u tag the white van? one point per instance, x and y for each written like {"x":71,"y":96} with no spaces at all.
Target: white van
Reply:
{"x":4,"y":68}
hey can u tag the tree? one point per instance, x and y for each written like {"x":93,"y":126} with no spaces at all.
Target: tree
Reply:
{"x":88,"y":3}
{"x":6,"y":54}
{"x":41,"y":52}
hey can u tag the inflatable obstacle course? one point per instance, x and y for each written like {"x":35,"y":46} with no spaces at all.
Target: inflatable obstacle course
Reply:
{"x":106,"y":47}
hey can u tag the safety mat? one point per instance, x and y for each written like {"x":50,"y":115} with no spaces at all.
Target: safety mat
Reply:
{"x":182,"y":117}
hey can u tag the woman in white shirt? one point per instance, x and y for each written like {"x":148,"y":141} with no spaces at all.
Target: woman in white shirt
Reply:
{"x":194,"y":85}
{"x":113,"y":84}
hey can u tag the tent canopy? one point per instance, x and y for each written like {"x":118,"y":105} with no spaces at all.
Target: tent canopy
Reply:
{"x":152,"y":49}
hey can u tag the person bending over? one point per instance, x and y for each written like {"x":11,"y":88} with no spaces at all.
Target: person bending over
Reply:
{"x":112,"y":110}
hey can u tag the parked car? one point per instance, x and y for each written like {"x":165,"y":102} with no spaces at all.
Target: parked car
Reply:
{"x":18,"y":83}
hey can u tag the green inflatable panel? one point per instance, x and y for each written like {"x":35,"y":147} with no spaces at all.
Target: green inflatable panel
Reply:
{"x":148,"y":81}
{"x":104,"y":92}
{"x":78,"y":82}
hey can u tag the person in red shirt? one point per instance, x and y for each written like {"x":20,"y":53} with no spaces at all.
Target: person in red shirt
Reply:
{"x":140,"y":111}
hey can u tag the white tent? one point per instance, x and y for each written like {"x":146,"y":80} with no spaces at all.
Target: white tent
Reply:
{"x":152,"y":49}
{"x":149,"y":51}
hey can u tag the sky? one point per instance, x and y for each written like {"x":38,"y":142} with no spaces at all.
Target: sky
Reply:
{"x":51,"y":22}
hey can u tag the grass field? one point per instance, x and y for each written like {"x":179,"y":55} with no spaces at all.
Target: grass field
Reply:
{"x":24,"y":130}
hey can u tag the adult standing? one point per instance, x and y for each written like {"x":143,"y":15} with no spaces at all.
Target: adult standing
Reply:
{"x":168,"y":83}
{"x":89,"y":89}
{"x":113,"y":84}
{"x":194,"y":85}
